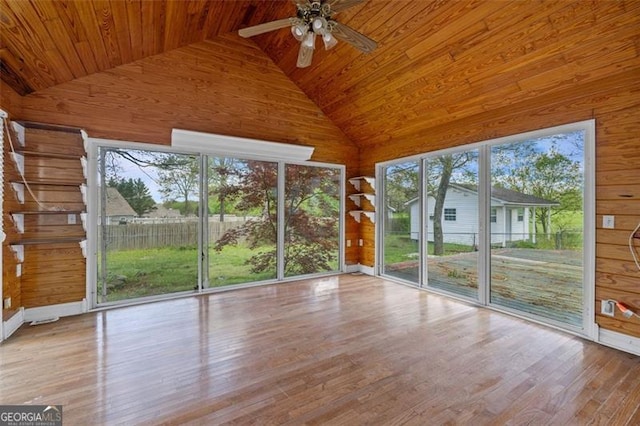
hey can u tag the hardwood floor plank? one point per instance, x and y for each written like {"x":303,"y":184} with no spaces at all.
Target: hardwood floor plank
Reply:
{"x":339,"y":350}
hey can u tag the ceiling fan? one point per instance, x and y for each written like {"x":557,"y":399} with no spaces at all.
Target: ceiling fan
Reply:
{"x":315,"y":18}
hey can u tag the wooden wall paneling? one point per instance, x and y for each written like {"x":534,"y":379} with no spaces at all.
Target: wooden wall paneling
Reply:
{"x":11,"y":280}
{"x":10,"y":101}
{"x":87,"y":19}
{"x":244,"y":103}
{"x":58,"y":279}
{"x":18,"y":42}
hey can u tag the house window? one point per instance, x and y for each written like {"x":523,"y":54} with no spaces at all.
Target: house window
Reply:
{"x":494,"y":215}
{"x":450,"y":215}
{"x":521,"y":215}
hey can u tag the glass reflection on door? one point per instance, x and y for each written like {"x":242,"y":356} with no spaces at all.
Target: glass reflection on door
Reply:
{"x":452,"y":223}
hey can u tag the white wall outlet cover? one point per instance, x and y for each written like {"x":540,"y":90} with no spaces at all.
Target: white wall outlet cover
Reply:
{"x":608,"y":221}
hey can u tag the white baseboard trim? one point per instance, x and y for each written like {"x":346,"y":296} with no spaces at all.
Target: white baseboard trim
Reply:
{"x":359,"y":268}
{"x":367,"y":270}
{"x":12,"y":324}
{"x":54,"y":311}
{"x":619,"y":341}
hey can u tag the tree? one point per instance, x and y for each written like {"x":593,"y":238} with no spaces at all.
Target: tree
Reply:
{"x":178,"y":179}
{"x":440,"y":171}
{"x":311,"y":240}
{"x":539,"y":168}
{"x":222,"y":172}
{"x":136,"y":193}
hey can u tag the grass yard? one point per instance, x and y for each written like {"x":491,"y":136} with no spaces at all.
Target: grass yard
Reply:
{"x":149,"y":272}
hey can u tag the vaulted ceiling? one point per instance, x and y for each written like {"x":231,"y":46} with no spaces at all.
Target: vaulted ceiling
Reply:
{"x":437,"y":61}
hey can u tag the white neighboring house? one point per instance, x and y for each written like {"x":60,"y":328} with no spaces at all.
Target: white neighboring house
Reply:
{"x":510,"y":213}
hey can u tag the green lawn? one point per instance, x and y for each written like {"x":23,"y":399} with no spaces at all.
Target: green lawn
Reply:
{"x":401,"y":248}
{"x":148,"y":272}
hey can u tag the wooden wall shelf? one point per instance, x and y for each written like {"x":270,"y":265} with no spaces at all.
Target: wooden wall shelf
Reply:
{"x":356,"y":198}
{"x":59,"y":156}
{"x":356,"y":182}
{"x":39,"y":241}
{"x":357,"y":214}
{"x":48,"y":182}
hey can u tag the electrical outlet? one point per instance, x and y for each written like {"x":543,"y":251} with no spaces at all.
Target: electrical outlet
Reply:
{"x":6,"y":304}
{"x":71,"y":219}
{"x":360,"y":242}
{"x":608,"y":221}
{"x":348,"y":243}
{"x":607,"y":307}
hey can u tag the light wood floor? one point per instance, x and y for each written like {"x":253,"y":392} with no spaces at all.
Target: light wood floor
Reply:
{"x":342,"y":350}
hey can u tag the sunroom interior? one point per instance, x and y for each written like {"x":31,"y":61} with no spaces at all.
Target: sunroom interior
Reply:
{"x":480,"y":166}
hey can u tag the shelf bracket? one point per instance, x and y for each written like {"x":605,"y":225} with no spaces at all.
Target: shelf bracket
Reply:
{"x":358,"y":213}
{"x":83,"y":247}
{"x":18,"y":188}
{"x":19,"y":131}
{"x":18,"y":249}
{"x":18,"y":159}
{"x":18,"y":221}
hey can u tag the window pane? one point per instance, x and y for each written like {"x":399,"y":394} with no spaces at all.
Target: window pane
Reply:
{"x":312,"y":220}
{"x":149,"y":225}
{"x":401,"y":216}
{"x":242,"y":221}
{"x":536,"y":255}
{"x":452,"y":229}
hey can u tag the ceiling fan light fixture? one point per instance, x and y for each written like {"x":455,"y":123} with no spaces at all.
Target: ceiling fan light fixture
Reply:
{"x":329,"y":40}
{"x":298,"y":31}
{"x":310,"y":40}
{"x":319,"y":25}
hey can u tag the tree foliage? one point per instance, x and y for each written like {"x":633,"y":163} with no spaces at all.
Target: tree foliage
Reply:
{"x":540,"y":169}
{"x":311,"y":239}
{"x":136,"y":193}
{"x":178,"y":179}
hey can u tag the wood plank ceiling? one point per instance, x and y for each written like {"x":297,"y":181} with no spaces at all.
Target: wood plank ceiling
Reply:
{"x":438,"y":61}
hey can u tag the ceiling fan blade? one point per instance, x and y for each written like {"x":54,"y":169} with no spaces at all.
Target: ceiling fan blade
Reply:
{"x":340,"y":5}
{"x":305,"y":54}
{"x":265,"y":28}
{"x":351,"y":36}
{"x":302,"y":3}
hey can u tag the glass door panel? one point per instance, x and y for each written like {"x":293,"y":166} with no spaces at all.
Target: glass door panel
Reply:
{"x":312,"y":219}
{"x":148,"y":224}
{"x":452,"y":223}
{"x":537,"y":227}
{"x":242,"y":221}
{"x":400,"y":216}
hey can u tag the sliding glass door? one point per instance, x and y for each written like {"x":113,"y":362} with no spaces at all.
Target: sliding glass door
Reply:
{"x":502,"y":223}
{"x":401,"y":221}
{"x":148,"y":224}
{"x":242,"y":221}
{"x":172,"y":222}
{"x":453,"y":233}
{"x":537,"y":216}
{"x":311,"y":220}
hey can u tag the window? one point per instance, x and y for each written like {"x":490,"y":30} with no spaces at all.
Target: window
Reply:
{"x":494,"y":215}
{"x":521,"y":214}
{"x":450,"y":215}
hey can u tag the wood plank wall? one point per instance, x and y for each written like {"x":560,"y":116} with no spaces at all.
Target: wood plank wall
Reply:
{"x":614,"y":103}
{"x":11,"y":278}
{"x":225,"y":85}
{"x":10,"y":102}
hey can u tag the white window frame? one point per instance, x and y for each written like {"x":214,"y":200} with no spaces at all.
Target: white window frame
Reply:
{"x":589,"y":327}
{"x":93,"y":146}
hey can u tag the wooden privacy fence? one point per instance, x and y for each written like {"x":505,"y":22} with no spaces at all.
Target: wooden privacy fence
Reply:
{"x":156,"y":235}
